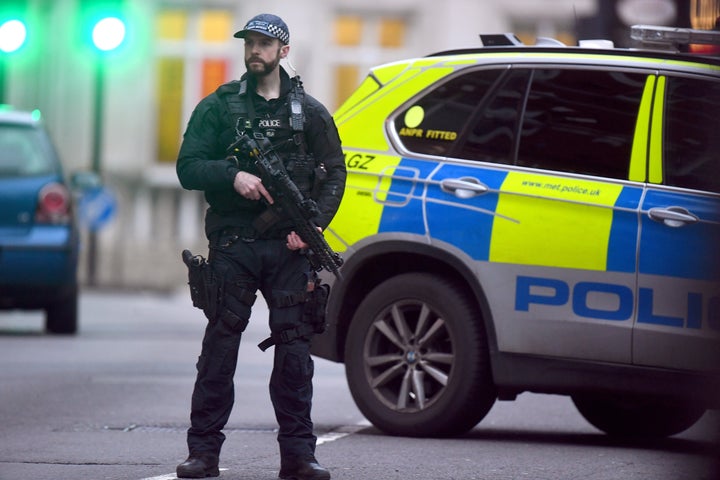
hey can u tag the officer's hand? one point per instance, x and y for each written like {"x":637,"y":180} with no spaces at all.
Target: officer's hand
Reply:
{"x":251,"y":187}
{"x":294,"y":242}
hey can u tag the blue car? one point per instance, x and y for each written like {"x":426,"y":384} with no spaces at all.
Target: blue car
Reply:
{"x":39,"y":239}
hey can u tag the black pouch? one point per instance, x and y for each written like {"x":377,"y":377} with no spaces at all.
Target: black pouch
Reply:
{"x":236,"y":305}
{"x":314,"y":312}
{"x":203,"y":286}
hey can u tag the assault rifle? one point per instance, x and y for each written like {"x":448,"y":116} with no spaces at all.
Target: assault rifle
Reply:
{"x":289,"y":198}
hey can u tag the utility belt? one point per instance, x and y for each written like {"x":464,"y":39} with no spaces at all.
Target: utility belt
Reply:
{"x":268,"y":225}
{"x":220,"y":299}
{"x":250,"y":234}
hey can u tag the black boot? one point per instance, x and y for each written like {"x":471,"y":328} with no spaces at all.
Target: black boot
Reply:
{"x":199,"y":466}
{"x":299,"y":468}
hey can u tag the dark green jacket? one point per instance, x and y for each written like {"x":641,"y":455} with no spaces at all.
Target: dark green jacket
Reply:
{"x":202,"y":162}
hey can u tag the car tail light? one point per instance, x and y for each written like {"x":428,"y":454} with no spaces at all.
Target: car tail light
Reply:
{"x":53,"y":204}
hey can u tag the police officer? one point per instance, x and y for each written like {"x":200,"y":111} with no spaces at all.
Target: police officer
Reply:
{"x":253,"y":248}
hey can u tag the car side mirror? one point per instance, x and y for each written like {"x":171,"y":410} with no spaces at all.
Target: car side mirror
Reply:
{"x":83,"y":181}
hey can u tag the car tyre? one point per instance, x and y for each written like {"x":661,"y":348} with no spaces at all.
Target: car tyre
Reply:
{"x":638,"y":417}
{"x":62,"y":316}
{"x":417,"y":360}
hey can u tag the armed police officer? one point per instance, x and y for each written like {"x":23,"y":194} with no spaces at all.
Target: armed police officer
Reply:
{"x":254,"y":247}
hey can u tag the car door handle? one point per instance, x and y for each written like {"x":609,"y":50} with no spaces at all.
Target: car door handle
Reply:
{"x":465,"y":187}
{"x":672,"y":216}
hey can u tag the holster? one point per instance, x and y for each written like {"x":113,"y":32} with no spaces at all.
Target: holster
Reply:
{"x":315,"y":300}
{"x":315,"y":307}
{"x":203,"y":286}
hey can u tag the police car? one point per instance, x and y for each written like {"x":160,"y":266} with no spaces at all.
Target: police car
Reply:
{"x":532,"y":218}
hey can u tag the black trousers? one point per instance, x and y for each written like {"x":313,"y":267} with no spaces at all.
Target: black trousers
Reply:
{"x":245,"y":267}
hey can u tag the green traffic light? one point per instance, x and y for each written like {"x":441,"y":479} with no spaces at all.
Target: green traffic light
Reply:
{"x":13,"y":34}
{"x":108,"y":33}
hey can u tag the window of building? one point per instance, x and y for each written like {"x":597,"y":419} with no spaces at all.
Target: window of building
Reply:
{"x":170,"y":86}
{"x":348,"y":30}
{"x":346,"y":81}
{"x":363,"y":40}
{"x":195,"y":56}
{"x":215,"y":26}
{"x":692,"y":143}
{"x":392,"y":32}
{"x":172,"y":25}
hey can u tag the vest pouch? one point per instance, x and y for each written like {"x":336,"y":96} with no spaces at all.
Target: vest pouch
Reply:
{"x":300,"y":169}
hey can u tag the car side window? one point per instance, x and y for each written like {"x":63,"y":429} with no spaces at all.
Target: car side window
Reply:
{"x":492,"y":133}
{"x":581,"y":121}
{"x":692,"y":143}
{"x":433,"y":123}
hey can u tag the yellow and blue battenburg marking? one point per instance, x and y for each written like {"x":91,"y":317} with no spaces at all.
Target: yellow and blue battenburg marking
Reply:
{"x":526,"y":218}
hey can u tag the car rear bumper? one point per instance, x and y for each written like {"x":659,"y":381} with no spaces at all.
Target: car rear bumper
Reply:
{"x":38,"y":269}
{"x":35,"y":297}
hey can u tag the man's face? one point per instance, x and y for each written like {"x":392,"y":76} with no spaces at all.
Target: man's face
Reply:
{"x":263,"y":53}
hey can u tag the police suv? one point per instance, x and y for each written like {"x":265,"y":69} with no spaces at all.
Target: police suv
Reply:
{"x":532,"y":218}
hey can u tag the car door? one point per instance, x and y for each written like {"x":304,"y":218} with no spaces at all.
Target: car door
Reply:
{"x":678,"y":322}
{"x":544,"y":206}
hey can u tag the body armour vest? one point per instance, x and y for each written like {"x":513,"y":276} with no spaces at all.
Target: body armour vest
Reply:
{"x":283,"y":127}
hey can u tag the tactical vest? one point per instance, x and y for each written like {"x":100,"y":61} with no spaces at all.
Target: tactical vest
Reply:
{"x":301,"y":165}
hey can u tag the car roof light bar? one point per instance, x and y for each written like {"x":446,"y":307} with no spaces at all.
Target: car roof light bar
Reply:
{"x":670,"y":36}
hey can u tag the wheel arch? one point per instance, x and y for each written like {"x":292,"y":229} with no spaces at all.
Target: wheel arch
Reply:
{"x":380,"y":259}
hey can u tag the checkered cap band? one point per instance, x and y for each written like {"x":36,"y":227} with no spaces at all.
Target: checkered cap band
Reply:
{"x":268,"y":29}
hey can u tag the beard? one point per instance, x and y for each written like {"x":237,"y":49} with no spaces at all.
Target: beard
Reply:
{"x":259,"y":67}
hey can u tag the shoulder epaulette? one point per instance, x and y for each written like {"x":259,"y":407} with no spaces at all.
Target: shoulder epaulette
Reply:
{"x":234,"y":96}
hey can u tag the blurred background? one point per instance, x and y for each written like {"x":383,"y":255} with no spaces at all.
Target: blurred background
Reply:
{"x":117,"y":102}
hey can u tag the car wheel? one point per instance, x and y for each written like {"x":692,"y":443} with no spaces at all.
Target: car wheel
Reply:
{"x":61,"y":316}
{"x":417,"y":358}
{"x":638,"y":418}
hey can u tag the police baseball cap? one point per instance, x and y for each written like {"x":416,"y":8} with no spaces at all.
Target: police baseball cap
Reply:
{"x":267,"y":24}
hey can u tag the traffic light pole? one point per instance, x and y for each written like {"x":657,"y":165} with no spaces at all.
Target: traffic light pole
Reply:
{"x":97,"y":130}
{"x":98,"y":109}
{"x":2,"y":78}
{"x":107,"y":35}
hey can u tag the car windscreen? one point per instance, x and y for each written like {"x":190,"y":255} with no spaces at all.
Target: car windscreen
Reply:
{"x":24,"y":152}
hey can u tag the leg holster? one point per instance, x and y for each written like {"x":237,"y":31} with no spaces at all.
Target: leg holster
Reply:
{"x":315,"y":300}
{"x":235,"y":303}
{"x":214,"y":290}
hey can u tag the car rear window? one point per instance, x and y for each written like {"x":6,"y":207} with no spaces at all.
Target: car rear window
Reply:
{"x":24,"y":152}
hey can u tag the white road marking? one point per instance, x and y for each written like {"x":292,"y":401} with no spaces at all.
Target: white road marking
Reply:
{"x":342,"y":432}
{"x":326,"y":438}
{"x":172,"y":476}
